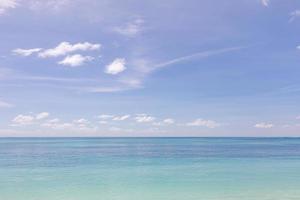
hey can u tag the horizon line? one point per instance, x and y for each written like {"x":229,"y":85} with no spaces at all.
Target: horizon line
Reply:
{"x":111,"y":137}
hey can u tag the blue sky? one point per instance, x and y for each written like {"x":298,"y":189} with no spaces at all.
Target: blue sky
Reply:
{"x":149,"y":68}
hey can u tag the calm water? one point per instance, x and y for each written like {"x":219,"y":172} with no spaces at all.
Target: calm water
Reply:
{"x":150,"y":169}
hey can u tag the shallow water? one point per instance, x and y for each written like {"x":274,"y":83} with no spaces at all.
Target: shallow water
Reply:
{"x":149,"y":168}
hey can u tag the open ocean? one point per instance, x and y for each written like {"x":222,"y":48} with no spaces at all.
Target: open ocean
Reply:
{"x":149,"y":169}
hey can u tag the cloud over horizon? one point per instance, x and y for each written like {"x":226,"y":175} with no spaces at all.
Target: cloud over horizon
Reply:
{"x":205,"y":123}
{"x":263,"y":125}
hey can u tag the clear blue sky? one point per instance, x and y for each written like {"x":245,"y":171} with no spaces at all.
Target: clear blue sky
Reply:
{"x":149,"y":68}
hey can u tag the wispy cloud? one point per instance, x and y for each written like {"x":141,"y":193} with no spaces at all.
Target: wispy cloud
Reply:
{"x":101,"y":89}
{"x":78,"y":125}
{"x":265,"y":2}
{"x":10,"y":74}
{"x":105,"y":116}
{"x":57,"y":124}
{"x":121,"y":118}
{"x":198,"y":55}
{"x":4,"y":104}
{"x":42,"y":115}
{"x":263,"y":125}
{"x":169,"y":121}
{"x":113,"y":117}
{"x":144,"y":67}
{"x":41,"y":119}
{"x":205,"y":123}
{"x":138,"y":69}
{"x":22,"y":119}
{"x":26,"y":52}
{"x":65,"y":48}
{"x":142,"y":118}
{"x":34,"y":5}
{"x":82,"y":122}
{"x":130,"y":29}
{"x":7,"y":4}
{"x":46,"y":5}
{"x":62,"y":49}
{"x":294,"y":15}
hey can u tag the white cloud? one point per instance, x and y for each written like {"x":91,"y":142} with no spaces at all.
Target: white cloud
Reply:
{"x":55,"y":120}
{"x":7,"y":4}
{"x":169,"y":121}
{"x":130,"y":29}
{"x":65,"y":47}
{"x":144,"y":67}
{"x":75,"y":60}
{"x":42,"y":115}
{"x":263,"y":125}
{"x":26,"y":52}
{"x":78,"y":124}
{"x":141,"y":118}
{"x":121,"y":118}
{"x":104,"y":116}
{"x":294,"y":15}
{"x":265,"y":2}
{"x":46,"y":5}
{"x":4,"y":104}
{"x":29,"y":119}
{"x":298,"y":117}
{"x":117,"y":66}
{"x":23,"y":120}
{"x":205,"y":123}
{"x":56,"y":124}
{"x":81,"y":121}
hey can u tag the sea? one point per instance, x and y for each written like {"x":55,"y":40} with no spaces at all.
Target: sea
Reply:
{"x":150,"y":169}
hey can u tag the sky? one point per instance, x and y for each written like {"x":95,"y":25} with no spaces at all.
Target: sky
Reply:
{"x":149,"y":68}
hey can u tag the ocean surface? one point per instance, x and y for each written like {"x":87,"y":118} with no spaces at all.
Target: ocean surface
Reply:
{"x":149,"y":169}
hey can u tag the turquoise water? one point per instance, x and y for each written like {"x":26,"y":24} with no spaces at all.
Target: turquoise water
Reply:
{"x":150,"y":169}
